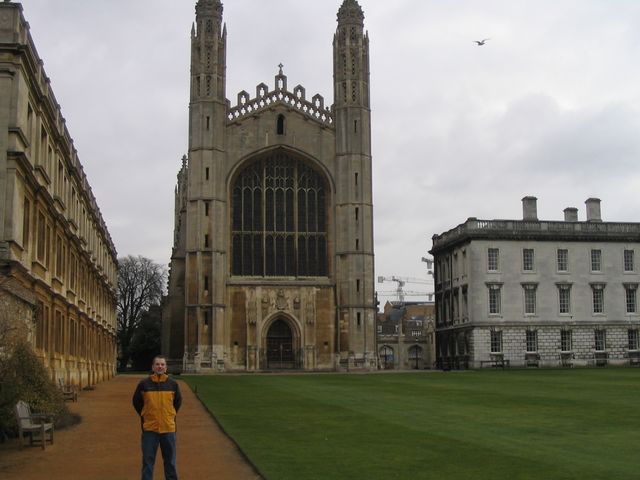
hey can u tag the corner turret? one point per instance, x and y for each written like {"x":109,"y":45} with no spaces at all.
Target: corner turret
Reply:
{"x":350,"y":13}
{"x":208,"y":52}
{"x":354,"y":196}
{"x":351,"y":57}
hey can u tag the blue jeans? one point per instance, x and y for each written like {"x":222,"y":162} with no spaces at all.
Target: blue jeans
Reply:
{"x":167,"y":442}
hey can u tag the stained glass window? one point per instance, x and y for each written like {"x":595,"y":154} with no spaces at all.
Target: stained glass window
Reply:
{"x":279,"y":219}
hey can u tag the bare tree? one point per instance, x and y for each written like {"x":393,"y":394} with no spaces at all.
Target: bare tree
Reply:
{"x":141,"y":283}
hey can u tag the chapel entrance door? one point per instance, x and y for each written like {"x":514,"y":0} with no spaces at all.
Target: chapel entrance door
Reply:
{"x":280,"y":349}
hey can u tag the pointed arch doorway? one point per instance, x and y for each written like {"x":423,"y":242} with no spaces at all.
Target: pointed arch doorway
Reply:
{"x":281,"y":348}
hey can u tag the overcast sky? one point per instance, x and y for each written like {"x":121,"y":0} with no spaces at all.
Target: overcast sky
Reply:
{"x":549,"y":107}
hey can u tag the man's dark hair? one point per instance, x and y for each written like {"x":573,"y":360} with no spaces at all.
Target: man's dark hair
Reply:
{"x":158,"y":356}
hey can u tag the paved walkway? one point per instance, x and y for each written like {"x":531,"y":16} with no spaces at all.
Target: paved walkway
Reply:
{"x":106,"y":444}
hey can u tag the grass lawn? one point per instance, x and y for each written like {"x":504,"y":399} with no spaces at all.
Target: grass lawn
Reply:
{"x":515,"y":424}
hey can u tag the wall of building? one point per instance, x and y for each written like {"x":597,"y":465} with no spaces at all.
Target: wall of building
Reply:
{"x":549,"y":353}
{"x":53,"y":239}
{"x":464,"y":280}
{"x":406,"y":336}
{"x":546,"y":275}
{"x":337,"y":327}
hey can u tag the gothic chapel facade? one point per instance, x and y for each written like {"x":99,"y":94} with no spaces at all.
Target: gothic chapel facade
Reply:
{"x":272,"y":264}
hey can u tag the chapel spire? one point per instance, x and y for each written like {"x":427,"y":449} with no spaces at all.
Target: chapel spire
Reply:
{"x":209,"y":8}
{"x":351,"y":57}
{"x":354,"y":196}
{"x":208,"y":52}
{"x":350,"y":12}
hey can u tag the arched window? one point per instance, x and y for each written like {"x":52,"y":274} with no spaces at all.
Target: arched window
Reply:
{"x":415,"y":356}
{"x":386,"y":357}
{"x":415,"y":352}
{"x":279,"y":225}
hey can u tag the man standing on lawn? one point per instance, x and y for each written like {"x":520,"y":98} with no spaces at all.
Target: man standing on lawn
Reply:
{"x":157,"y":400}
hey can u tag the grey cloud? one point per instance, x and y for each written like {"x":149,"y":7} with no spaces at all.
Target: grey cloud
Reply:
{"x":548,"y":107}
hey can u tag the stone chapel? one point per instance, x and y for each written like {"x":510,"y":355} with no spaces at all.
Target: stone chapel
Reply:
{"x":272,"y":265}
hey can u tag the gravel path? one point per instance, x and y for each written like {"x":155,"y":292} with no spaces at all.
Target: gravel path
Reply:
{"x":106,"y":445}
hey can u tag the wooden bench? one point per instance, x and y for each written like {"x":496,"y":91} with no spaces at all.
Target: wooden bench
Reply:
{"x":33,"y":424}
{"x":359,"y":362}
{"x":531,"y":360}
{"x":566,"y":359}
{"x":634,"y":359}
{"x":69,"y":392}
{"x":496,"y":363}
{"x":599,"y":359}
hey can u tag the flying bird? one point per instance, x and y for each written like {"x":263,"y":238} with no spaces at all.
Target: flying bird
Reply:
{"x":481,"y":42}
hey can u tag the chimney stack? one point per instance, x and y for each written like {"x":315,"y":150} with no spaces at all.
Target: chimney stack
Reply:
{"x":530,"y":208}
{"x":571,"y":214}
{"x":593,"y":210}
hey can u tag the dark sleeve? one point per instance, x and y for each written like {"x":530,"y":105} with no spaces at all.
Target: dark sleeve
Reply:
{"x":138,"y":400}
{"x":177,"y":398}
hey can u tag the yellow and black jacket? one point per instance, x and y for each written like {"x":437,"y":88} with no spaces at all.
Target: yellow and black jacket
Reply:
{"x":157,"y":400}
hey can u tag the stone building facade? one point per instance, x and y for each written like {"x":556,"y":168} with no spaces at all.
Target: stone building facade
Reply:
{"x":17,"y":314}
{"x":53,"y":240}
{"x":272,"y":264}
{"x":538,"y":293}
{"x":406,"y":336}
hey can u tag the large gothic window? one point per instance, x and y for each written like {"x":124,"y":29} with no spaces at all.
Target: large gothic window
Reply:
{"x":279,"y":225}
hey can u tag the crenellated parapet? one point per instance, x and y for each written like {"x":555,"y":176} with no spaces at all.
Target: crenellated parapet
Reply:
{"x":314,"y":109}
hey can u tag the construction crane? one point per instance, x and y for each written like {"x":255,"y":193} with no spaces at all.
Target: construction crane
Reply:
{"x":407,"y":293}
{"x":402,"y":281}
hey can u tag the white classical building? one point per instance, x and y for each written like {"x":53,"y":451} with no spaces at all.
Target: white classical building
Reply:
{"x":537,"y":293}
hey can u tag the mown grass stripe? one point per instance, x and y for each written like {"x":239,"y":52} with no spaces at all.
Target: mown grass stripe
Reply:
{"x":546,"y":424}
